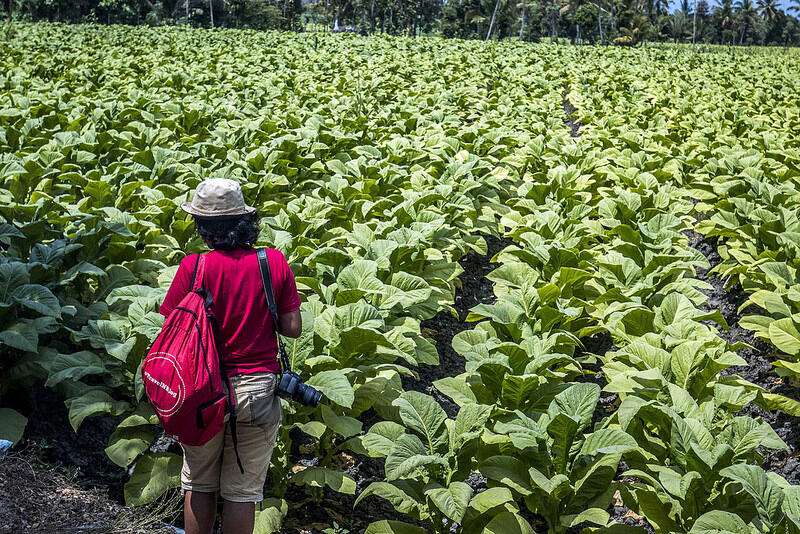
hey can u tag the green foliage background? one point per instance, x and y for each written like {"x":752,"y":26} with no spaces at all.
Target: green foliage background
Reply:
{"x":377,"y":163}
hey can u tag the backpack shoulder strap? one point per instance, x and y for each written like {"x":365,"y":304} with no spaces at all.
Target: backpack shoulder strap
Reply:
{"x":198,"y":279}
{"x":266,"y":281}
{"x":199,"y":271}
{"x":200,"y":289}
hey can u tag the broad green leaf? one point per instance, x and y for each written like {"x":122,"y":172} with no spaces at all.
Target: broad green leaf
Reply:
{"x":93,"y":402}
{"x":767,"y":496}
{"x":12,"y":275}
{"x":74,"y":367}
{"x":393,"y":527}
{"x":675,"y":308}
{"x":470,"y":421}
{"x":398,"y":493}
{"x":596,"y":516}
{"x":108,"y":335}
{"x":381,"y":437}
{"x":608,"y":441}
{"x":359,"y":278}
{"x":491,"y":498}
{"x":126,"y":443}
{"x":149,"y":326}
{"x":791,"y":504}
{"x":426,"y":352}
{"x":314,"y":429}
{"x":22,"y":335}
{"x":8,"y":231}
{"x":405,"y":290}
{"x":341,"y":424}
{"x":318,"y":477}
{"x":12,"y":425}
{"x":143,"y":415}
{"x":508,"y":471}
{"x":334,"y":386}
{"x":780,"y":402}
{"x":452,"y":501}
{"x":154,"y":474}
{"x":719,"y":522}
{"x":553,"y":487}
{"x":784,"y":335}
{"x":578,"y":401}
{"x":508,"y":523}
{"x":269,"y":515}
{"x":778,"y":271}
{"x":329,"y":256}
{"x":38,"y":298}
{"x":407,"y":455}
{"x":423,"y":414}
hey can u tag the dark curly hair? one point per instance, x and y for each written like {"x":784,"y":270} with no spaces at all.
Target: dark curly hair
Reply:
{"x":228,"y":233}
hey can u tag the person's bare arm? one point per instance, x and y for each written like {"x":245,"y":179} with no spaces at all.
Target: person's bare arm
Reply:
{"x":291,"y":324}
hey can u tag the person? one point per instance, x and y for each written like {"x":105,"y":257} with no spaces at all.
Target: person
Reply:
{"x":248,"y":349}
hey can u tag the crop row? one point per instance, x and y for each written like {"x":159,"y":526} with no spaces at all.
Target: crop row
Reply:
{"x":377,"y":164}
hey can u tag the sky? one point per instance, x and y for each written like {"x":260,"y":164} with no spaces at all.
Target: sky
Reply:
{"x":675,"y":4}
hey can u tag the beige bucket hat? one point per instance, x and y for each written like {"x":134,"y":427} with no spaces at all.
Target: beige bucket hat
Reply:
{"x":217,"y":197}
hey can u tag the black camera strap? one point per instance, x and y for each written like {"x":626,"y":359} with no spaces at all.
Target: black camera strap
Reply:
{"x":266,"y":281}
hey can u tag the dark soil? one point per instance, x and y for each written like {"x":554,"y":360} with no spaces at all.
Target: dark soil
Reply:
{"x":83,"y":454}
{"x":62,"y":447}
{"x":624,"y":515}
{"x":594,"y":347}
{"x":758,"y":370}
{"x":475,"y":289}
{"x":37,"y":498}
{"x":570,"y":120}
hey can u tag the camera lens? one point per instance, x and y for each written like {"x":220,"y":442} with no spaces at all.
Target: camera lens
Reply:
{"x":291,"y":386}
{"x":307,"y":395}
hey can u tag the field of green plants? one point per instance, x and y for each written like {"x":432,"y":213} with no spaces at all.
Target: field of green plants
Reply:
{"x":623,"y":224}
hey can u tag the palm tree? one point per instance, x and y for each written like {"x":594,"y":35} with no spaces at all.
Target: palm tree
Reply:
{"x":724,"y":13}
{"x":795,"y":6}
{"x":678,"y":24}
{"x":661,"y":7}
{"x":768,"y":9}
{"x":747,"y":16}
{"x":654,"y":7}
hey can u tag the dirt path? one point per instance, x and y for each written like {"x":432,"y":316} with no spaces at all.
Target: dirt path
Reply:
{"x":570,"y":120}
{"x":37,"y":498}
{"x":475,"y":289}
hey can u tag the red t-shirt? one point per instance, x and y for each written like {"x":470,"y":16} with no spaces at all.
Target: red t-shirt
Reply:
{"x":247,"y":341}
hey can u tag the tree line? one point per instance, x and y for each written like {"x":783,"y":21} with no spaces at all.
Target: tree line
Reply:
{"x":621,"y":22}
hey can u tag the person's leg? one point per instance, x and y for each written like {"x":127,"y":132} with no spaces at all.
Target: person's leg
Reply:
{"x":200,"y":482}
{"x":256,"y":429}
{"x":238,"y":517}
{"x":199,"y":512}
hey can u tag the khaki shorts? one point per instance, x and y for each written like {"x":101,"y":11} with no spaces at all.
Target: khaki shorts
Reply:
{"x":212,"y":467}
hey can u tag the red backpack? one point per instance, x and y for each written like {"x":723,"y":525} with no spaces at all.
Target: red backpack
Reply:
{"x":183,"y":375}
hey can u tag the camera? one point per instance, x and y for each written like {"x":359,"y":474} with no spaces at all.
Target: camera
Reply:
{"x":291,"y":386}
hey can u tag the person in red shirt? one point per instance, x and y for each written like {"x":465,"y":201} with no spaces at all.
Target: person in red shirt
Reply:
{"x":248,"y":349}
